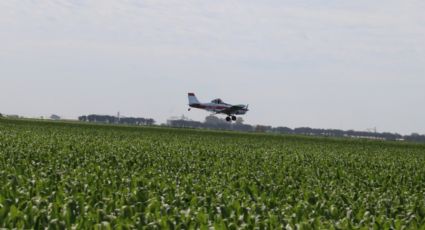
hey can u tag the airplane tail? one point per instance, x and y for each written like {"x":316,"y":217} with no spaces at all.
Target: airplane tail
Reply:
{"x":192,"y":99}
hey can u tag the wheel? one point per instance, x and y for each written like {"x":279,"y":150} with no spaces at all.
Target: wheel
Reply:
{"x":234,"y":118}
{"x":228,"y":119}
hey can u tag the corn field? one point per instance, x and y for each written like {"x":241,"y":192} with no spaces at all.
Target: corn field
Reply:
{"x":60,"y":175}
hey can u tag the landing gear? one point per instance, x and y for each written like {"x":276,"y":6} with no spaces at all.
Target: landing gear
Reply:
{"x":231,"y":118}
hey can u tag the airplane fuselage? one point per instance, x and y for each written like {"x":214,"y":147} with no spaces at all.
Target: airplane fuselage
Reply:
{"x":218,"y":106}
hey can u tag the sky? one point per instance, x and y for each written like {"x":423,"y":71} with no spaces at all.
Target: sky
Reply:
{"x":323,"y":64}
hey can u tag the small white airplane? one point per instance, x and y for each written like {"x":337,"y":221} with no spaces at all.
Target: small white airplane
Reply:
{"x":218,"y":106}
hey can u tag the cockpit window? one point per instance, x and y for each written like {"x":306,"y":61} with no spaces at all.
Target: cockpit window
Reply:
{"x":217,"y":101}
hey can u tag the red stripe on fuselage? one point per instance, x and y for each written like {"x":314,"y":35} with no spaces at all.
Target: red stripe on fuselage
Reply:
{"x":200,"y":106}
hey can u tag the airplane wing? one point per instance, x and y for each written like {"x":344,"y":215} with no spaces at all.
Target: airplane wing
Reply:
{"x":233,"y":109}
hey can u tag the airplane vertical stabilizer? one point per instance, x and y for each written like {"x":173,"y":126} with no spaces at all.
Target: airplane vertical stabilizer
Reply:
{"x":192,"y":99}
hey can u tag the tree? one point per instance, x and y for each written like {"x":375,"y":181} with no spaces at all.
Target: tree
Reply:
{"x":115,"y":120}
{"x":212,"y":120}
{"x":262,"y":128}
{"x":55,"y":117}
{"x":82,"y":118}
{"x":239,"y":121}
{"x":285,"y":130}
{"x":150,"y":121}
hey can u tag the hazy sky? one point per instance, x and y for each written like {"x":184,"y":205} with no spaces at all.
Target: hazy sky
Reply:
{"x":324,"y":64}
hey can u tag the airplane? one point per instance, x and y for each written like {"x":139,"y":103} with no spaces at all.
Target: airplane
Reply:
{"x":218,"y":106}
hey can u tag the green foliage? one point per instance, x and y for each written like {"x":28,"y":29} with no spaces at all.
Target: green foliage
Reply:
{"x":63,"y":176}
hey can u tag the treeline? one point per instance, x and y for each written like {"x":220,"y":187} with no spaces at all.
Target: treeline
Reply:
{"x":212,"y":122}
{"x":338,"y":133}
{"x":350,"y":133}
{"x":117,"y":120}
